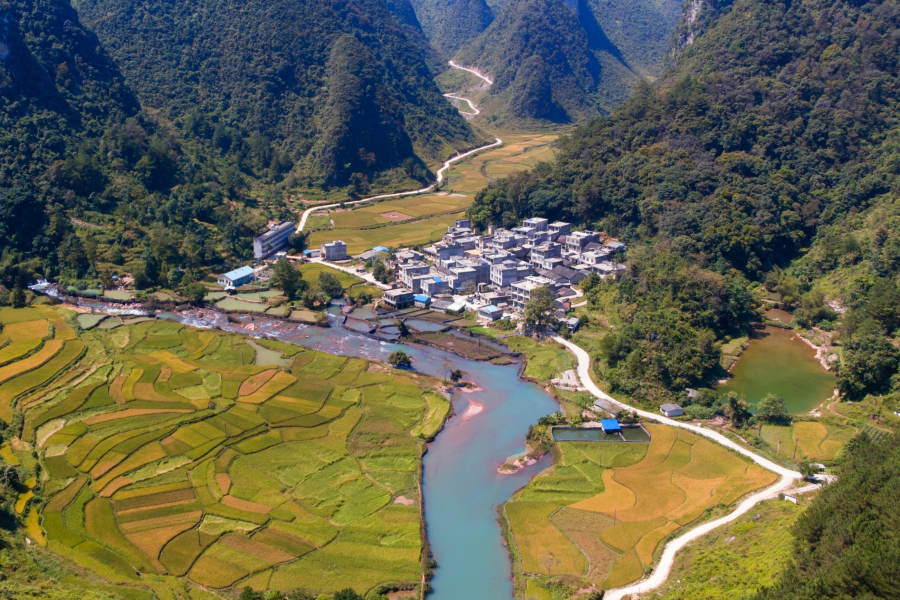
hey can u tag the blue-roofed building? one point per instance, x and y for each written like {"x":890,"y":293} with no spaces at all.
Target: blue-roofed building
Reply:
{"x":378,"y":249}
{"x":421,"y":300}
{"x":490,"y":312}
{"x":610,"y":426}
{"x":237,"y":277}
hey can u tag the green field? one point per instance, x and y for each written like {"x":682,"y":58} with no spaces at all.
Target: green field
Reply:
{"x":613,"y":503}
{"x":406,"y":234}
{"x":310,"y":273}
{"x":413,"y":207}
{"x":198,"y":455}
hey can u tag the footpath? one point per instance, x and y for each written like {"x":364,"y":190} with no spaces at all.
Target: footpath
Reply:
{"x":788,"y":479}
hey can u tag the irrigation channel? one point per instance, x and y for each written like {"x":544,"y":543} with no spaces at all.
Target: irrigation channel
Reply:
{"x":461,"y":486}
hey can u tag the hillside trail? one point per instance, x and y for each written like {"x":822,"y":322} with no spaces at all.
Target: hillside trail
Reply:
{"x":439,"y":176}
{"x":659,"y":575}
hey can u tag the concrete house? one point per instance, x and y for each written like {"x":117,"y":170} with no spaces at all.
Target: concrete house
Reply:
{"x":236,"y":277}
{"x":671,"y":410}
{"x":336,"y":250}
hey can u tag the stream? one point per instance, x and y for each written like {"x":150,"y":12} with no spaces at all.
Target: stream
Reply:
{"x":461,"y":486}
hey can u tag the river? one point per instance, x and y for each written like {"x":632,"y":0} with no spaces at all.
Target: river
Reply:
{"x":461,"y":486}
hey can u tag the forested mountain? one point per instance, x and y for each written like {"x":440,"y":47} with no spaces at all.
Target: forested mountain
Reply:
{"x":174,"y":129}
{"x":550,"y":59}
{"x":266,"y":68}
{"x":56,"y":85}
{"x":451,"y":24}
{"x":405,"y":14}
{"x":776,"y":126}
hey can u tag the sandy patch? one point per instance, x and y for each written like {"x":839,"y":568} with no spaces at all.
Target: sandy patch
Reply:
{"x":404,"y":501}
{"x":475,"y":408}
{"x":393,"y":215}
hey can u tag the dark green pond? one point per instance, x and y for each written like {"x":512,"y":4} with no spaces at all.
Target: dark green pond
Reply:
{"x":777,"y":361}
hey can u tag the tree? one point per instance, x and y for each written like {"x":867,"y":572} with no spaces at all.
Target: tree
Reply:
{"x":403,"y":328}
{"x":173,"y":277}
{"x":289,"y":279}
{"x":347,"y":594}
{"x":807,"y":469}
{"x":380,"y":271}
{"x":17,"y":298}
{"x":400,"y":360}
{"x":299,"y":594}
{"x":313,"y":298}
{"x":195,"y":292}
{"x":870,"y":359}
{"x":772,"y":408}
{"x":737,"y":410}
{"x":540,"y":311}
{"x":456,"y":375}
{"x":328,"y":283}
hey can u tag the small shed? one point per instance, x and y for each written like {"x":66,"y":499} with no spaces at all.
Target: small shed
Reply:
{"x":440,"y":306}
{"x":456,"y":307}
{"x":237,"y":277}
{"x":378,"y":249}
{"x":671,"y":410}
{"x":421,"y":301}
{"x":490,"y":312}
{"x":610,"y":426}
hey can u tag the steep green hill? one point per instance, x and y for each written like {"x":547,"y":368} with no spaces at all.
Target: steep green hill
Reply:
{"x":550,"y":60}
{"x":56,"y":86}
{"x":451,"y":24}
{"x":846,"y":542}
{"x":266,"y":68}
{"x":405,"y":14}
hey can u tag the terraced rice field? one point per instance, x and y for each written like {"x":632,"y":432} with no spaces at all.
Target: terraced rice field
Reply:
{"x":413,"y":207}
{"x":814,"y":441}
{"x":195,"y":454}
{"x":601,"y":512}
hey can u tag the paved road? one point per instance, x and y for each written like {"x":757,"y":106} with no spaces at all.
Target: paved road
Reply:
{"x":474,"y":72}
{"x":787,"y":480}
{"x":472,"y":104}
{"x":440,"y":177}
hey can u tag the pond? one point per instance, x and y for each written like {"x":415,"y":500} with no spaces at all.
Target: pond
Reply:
{"x":596,"y":434}
{"x":420,"y":325}
{"x":776,"y":361}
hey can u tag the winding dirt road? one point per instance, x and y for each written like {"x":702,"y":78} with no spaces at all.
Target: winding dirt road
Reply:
{"x":659,"y":575}
{"x":440,"y":174}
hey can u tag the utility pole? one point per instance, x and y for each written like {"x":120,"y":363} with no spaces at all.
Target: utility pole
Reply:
{"x":796,"y":439}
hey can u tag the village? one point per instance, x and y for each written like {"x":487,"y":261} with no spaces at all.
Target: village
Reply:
{"x":493,"y":274}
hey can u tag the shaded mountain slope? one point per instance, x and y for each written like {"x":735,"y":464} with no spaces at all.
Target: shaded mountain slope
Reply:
{"x":451,"y":24}
{"x":265,"y":68}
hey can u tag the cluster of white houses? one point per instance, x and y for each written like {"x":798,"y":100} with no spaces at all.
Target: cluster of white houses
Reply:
{"x":510,"y":263}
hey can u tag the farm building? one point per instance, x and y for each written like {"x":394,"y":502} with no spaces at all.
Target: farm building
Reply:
{"x":671,"y":410}
{"x":441,"y":306}
{"x":336,"y":250}
{"x":236,"y":277}
{"x":610,"y":426}
{"x":275,"y":239}
{"x":421,"y":301}
{"x":398,"y":299}
{"x":490,"y":312}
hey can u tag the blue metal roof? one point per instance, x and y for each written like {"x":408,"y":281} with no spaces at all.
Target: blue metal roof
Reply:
{"x":438,"y":280}
{"x":239,"y":273}
{"x":379,"y":249}
{"x":491,"y":309}
{"x":421,"y":298}
{"x":307,"y":252}
{"x":610,"y":424}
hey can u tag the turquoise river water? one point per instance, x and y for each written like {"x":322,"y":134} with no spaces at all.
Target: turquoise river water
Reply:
{"x":462,"y":488}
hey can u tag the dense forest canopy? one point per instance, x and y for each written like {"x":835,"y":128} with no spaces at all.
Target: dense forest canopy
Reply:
{"x":451,"y":24}
{"x":266,"y":69}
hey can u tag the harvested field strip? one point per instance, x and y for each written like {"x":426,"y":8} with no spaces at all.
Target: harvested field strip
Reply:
{"x":132,"y":412}
{"x":48,"y":351}
{"x":536,"y":536}
{"x":15,"y":350}
{"x":27,"y":330}
{"x":12,"y":388}
{"x":100,"y":522}
{"x":146,"y":455}
{"x":279,"y":382}
{"x":255,"y":382}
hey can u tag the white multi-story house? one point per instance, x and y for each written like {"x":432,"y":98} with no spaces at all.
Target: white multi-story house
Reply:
{"x":521,"y":291}
{"x":336,"y":250}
